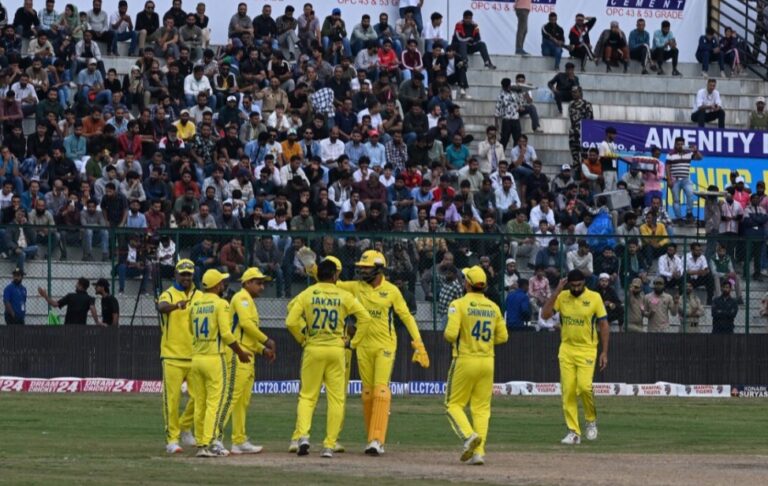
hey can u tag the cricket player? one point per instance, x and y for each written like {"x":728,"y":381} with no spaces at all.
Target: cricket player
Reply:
{"x":475,"y":326}
{"x":210,"y":321}
{"x":375,"y":343}
{"x":312,"y":271}
{"x":176,"y":355}
{"x":317,"y":321}
{"x":582,"y":313}
{"x":240,"y":376}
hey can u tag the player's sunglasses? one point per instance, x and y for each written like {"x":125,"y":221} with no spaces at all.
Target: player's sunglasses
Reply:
{"x":185,"y":267}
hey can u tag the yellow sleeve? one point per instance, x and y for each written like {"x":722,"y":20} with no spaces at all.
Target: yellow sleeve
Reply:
{"x":500,"y":333}
{"x":454,"y":322}
{"x":224,"y":321}
{"x":558,"y":304}
{"x":248,"y":320}
{"x":295,"y":321}
{"x":362,"y":318}
{"x":404,"y":313}
{"x":165,"y":297}
{"x":348,"y":285}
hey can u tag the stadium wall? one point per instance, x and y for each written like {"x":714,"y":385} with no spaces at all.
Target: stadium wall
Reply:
{"x":46,"y":352}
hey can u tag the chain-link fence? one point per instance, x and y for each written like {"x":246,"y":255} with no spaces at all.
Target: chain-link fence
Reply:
{"x":650,"y":283}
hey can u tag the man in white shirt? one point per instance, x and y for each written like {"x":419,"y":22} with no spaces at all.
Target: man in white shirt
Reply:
{"x":608,"y":153}
{"x":374,"y":111}
{"x":671,"y":268}
{"x":542,"y":211}
{"x":196,"y":83}
{"x":507,"y":200}
{"x":698,"y":271}
{"x":331,"y":148}
{"x":434,"y":32}
{"x":581,"y":259}
{"x":293,"y":169}
{"x":122,"y":26}
{"x":708,"y":106}
{"x":355,"y":206}
{"x":490,"y":151}
{"x":25,"y":94}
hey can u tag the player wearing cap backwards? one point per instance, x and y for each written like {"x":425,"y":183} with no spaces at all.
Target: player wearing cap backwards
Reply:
{"x":176,"y":355}
{"x":582,"y":312}
{"x":376,"y":343}
{"x":240,"y":376}
{"x":475,"y":326}
{"x":210,"y":321}
{"x":316,"y":320}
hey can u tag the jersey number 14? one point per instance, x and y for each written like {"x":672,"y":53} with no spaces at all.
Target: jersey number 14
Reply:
{"x":201,"y":327}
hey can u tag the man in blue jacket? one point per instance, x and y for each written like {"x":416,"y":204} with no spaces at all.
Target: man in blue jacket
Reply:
{"x":518,"y":308}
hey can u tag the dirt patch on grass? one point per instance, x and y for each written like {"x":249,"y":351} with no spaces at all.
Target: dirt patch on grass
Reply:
{"x":546,"y":468}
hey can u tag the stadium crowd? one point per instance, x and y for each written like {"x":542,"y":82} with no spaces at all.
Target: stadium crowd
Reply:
{"x":302,"y":123}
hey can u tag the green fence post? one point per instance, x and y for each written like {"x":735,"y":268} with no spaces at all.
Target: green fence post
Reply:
{"x":747,"y":279}
{"x":50,"y":249}
{"x":435,"y":290}
{"x":683,"y":317}
{"x":624,"y":281}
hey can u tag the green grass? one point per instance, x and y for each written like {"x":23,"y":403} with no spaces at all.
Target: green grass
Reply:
{"x":118,"y":439}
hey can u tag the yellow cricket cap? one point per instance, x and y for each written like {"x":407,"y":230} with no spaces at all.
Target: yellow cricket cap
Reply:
{"x":335,"y":260}
{"x":213,"y":277}
{"x":475,"y":276}
{"x":372,"y":258}
{"x":254,"y":273}
{"x":185,"y":266}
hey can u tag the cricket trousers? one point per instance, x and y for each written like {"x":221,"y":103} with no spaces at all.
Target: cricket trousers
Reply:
{"x":322,"y":365}
{"x":375,"y":366}
{"x":238,"y":389}
{"x":175,"y":372}
{"x":470,"y":382}
{"x":206,"y":384}
{"x":577,"y":367}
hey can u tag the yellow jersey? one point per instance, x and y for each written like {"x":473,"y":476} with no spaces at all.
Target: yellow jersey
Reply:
{"x":382,"y":303}
{"x":579,"y":316}
{"x":209,"y":321}
{"x":176,"y":338}
{"x":317,"y":316}
{"x":245,"y":322}
{"x":475,"y":326}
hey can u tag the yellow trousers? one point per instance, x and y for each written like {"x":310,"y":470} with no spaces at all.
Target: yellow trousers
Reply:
{"x":206,"y":383}
{"x":470,"y":382}
{"x":322,"y":365}
{"x":577,"y":367}
{"x":175,"y":371}
{"x":238,"y":395}
{"x":375,"y":366}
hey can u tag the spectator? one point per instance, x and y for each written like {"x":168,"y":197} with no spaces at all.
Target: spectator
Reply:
{"x":612,"y":47}
{"x":121,"y":25}
{"x":552,"y":40}
{"x":518,"y":308}
{"x":665,"y":47}
{"x":722,"y":268}
{"x":611,"y":300}
{"x":581,"y":259}
{"x":678,"y":170}
{"x":466,"y":39}
{"x":640,"y":45}
{"x":562,"y":85}
{"x":724,"y":311}
{"x":15,"y":299}
{"x":133,"y":263}
{"x":671,"y":269}
{"x":334,"y":30}
{"x":698,"y":271}
{"x":550,"y":261}
{"x":110,"y":308}
{"x":94,"y":228}
{"x":232,"y":257}
{"x":707,"y":106}
{"x":147,"y":24}
{"x":758,"y":119}
{"x":78,"y":304}
{"x":100,"y":25}
{"x":635,"y":307}
{"x":507,"y":113}
{"x":450,"y":289}
{"x":658,"y":306}
{"x":709,"y":50}
{"x":434,"y":33}
{"x":538,"y":286}
{"x":579,"y":110}
{"x":579,"y":44}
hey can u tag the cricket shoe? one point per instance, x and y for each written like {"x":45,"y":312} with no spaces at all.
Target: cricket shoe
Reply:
{"x":218,"y":448}
{"x":245,"y":448}
{"x":293,"y":447}
{"x":476,"y":460}
{"x":188,"y":439}
{"x":571,"y":438}
{"x":173,"y":448}
{"x":374,"y":448}
{"x":327,"y":453}
{"x":205,"y":452}
{"x":339,"y":448}
{"x":472,"y":443}
{"x":591,"y":433}
{"x":303,"y":446}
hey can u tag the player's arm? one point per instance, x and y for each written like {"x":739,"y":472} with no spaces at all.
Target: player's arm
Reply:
{"x":550,"y":306}
{"x":500,"y":334}
{"x":453,"y":326}
{"x":362,"y":318}
{"x":295,"y":321}
{"x":605,"y":332}
{"x":165,"y":304}
{"x":223,"y":319}
{"x":404,"y":313}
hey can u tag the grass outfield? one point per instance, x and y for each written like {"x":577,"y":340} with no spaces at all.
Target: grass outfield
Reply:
{"x":118,"y":439}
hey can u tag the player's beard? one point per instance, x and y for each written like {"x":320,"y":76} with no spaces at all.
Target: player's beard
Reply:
{"x":575,"y":293}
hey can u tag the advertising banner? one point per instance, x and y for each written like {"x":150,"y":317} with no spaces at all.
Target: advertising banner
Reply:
{"x":497,"y":19}
{"x":723,"y":150}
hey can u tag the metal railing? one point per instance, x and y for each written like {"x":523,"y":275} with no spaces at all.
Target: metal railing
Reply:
{"x":742,"y":16}
{"x":423,"y":265}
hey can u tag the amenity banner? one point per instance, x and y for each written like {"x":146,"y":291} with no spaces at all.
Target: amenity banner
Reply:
{"x":497,"y":19}
{"x":723,"y":150}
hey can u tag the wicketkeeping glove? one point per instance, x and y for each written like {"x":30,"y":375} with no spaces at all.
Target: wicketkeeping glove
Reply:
{"x":420,"y":354}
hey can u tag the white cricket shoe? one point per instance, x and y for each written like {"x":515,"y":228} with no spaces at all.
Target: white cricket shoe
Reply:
{"x":245,"y":448}
{"x":303,"y":446}
{"x":188,"y":439}
{"x":294,"y":446}
{"x":327,"y":453}
{"x":205,"y":452}
{"x":173,"y":448}
{"x":571,"y":438}
{"x":339,"y":448}
{"x":591,"y":433}
{"x":374,"y":448}
{"x":218,"y":448}
{"x":472,"y":443}
{"x":476,"y":460}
